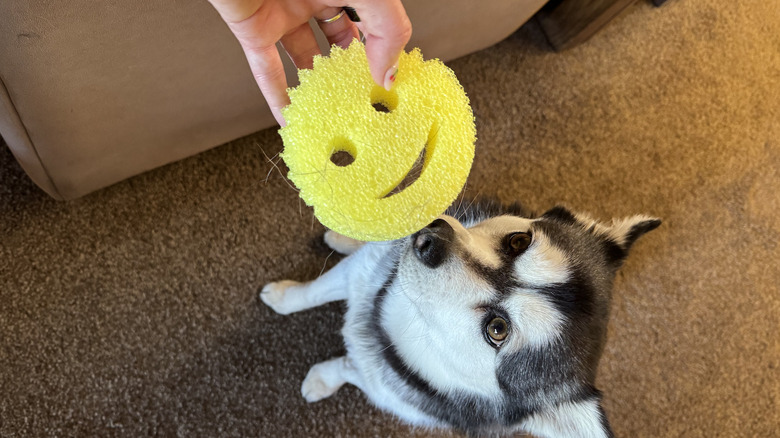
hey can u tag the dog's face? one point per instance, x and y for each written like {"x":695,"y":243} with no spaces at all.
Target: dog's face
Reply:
{"x":510,"y":313}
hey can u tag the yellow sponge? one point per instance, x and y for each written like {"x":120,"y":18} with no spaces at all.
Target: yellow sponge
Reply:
{"x":333,"y":111}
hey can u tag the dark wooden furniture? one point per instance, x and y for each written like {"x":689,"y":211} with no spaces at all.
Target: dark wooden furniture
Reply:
{"x":567,"y":23}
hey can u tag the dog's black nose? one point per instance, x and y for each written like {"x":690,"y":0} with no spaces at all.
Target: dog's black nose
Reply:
{"x":432,"y":243}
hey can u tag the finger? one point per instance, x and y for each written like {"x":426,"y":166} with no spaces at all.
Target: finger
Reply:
{"x":258,"y":34}
{"x":387,"y":30}
{"x":341,"y":31}
{"x":268,"y":70}
{"x":236,"y":10}
{"x":301,"y":45}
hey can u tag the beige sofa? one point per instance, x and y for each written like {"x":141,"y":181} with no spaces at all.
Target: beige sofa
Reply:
{"x":94,"y":92}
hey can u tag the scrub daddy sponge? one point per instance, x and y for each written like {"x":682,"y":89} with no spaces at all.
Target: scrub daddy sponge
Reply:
{"x":425,"y":118}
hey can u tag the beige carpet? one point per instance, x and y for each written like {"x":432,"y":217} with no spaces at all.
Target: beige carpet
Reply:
{"x":133,"y":312}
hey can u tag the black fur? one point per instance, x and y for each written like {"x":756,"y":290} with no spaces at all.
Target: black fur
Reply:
{"x":560,"y":214}
{"x":496,"y":277}
{"x":615,"y":253}
{"x":638,"y":230}
{"x":575,"y":299}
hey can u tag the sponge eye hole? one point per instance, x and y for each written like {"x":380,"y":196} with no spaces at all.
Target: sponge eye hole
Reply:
{"x":342,"y":151}
{"x":383,"y":101}
{"x":342,"y":158}
{"x":380,"y":107}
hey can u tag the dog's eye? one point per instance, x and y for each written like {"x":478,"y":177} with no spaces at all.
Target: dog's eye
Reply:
{"x":497,"y":331}
{"x":516,"y":243}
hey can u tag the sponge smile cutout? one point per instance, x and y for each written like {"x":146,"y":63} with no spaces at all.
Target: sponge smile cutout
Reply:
{"x":377,"y":164}
{"x":417,"y":169}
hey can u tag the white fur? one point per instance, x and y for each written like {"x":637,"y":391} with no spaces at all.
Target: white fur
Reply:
{"x":536,"y":321}
{"x":433,"y":332}
{"x":542,"y":264}
{"x":571,"y":420}
{"x":325,"y":378}
{"x":279,"y":296}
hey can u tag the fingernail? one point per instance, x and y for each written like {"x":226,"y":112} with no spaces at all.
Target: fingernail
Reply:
{"x":277,"y":112}
{"x":390,"y":77}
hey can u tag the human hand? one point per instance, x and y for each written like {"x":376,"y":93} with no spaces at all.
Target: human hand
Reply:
{"x":259,"y":24}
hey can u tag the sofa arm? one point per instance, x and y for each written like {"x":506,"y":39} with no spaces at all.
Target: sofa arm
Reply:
{"x":14,"y":133}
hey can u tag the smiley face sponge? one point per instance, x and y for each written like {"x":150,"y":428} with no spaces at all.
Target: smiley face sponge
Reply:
{"x":425,"y":121}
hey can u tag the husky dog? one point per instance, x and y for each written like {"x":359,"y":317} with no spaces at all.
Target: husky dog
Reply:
{"x":486,"y":321}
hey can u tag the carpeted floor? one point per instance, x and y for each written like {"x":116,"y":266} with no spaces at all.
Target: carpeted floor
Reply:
{"x":133,"y":312}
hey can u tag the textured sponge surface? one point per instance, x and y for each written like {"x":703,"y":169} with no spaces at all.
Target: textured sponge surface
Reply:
{"x":333,"y":110}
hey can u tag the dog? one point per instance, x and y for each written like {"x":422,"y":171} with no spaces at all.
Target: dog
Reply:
{"x":489,"y":320}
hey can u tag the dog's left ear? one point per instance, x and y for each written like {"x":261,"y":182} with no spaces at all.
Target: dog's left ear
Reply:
{"x":579,"y":419}
{"x":620,"y":236}
{"x":626,"y":231}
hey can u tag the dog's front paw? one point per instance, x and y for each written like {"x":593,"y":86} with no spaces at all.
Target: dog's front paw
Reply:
{"x":275,"y":296}
{"x":319,"y":383}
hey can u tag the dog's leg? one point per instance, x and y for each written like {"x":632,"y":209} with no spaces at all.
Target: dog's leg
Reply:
{"x":341,"y":244}
{"x":325,"y":378}
{"x":288,"y":296}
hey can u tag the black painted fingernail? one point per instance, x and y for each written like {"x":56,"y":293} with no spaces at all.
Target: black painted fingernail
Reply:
{"x":353,"y":16}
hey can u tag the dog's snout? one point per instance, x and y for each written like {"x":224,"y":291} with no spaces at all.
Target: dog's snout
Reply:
{"x":432,"y":243}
